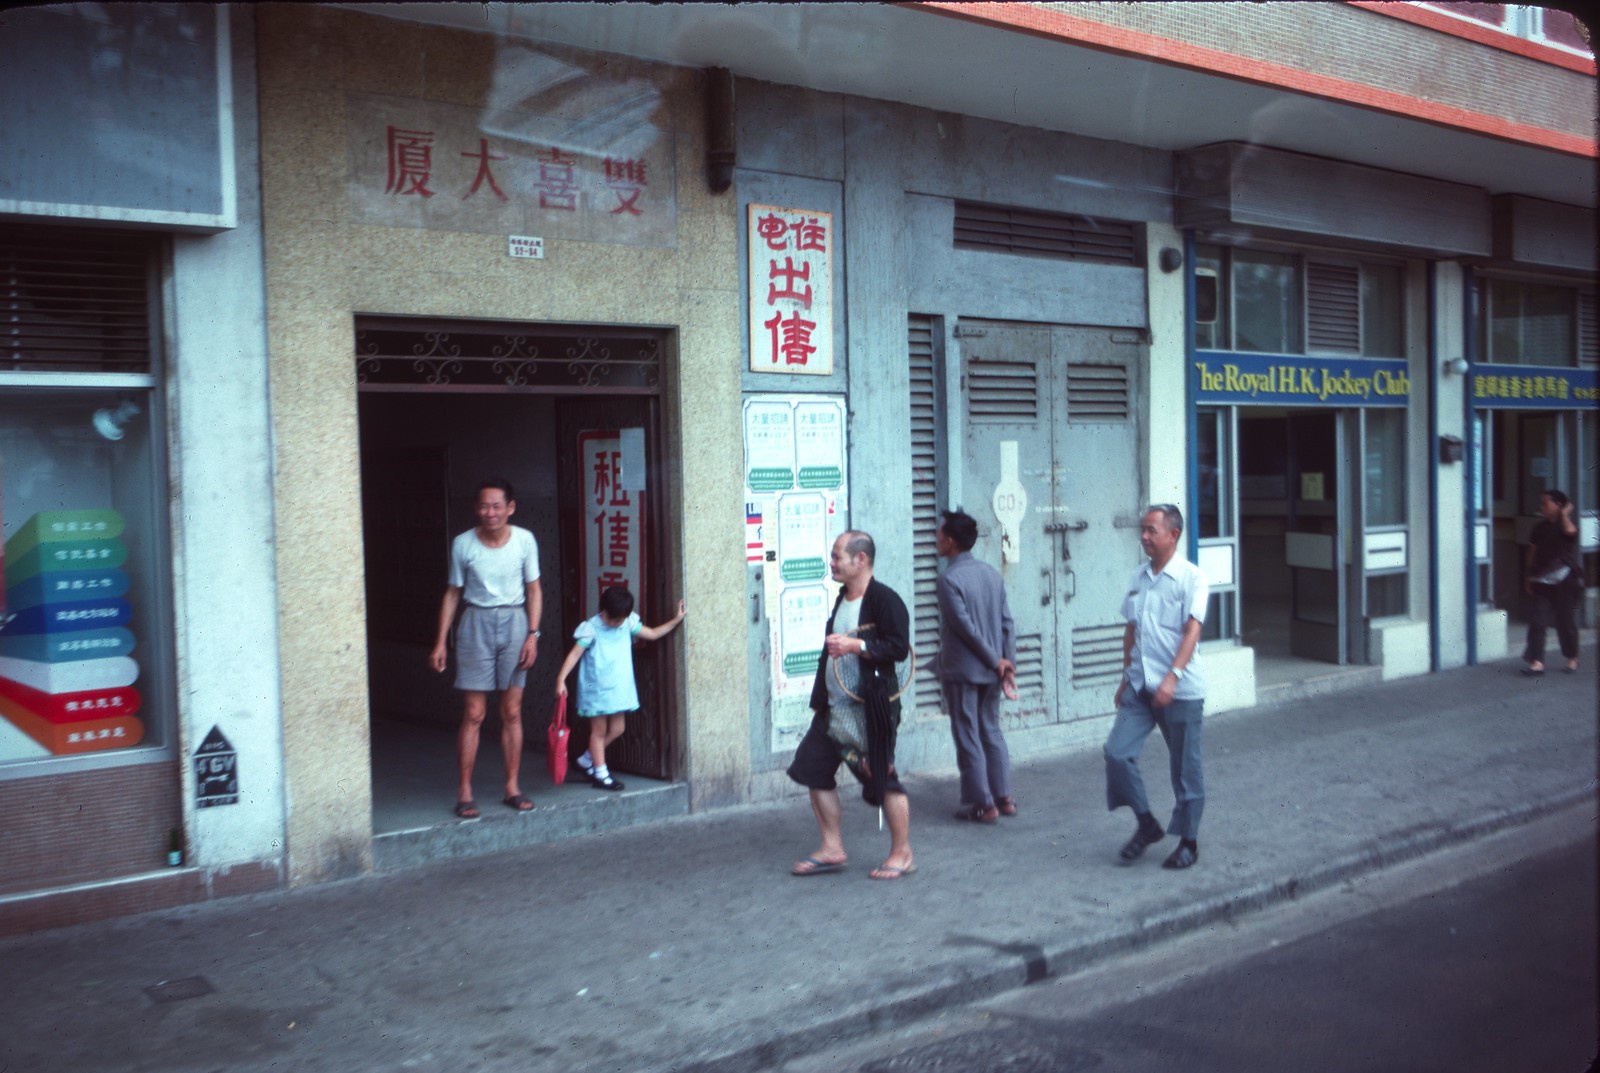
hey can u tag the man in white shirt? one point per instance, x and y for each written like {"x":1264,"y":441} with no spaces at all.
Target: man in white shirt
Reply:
{"x":494,"y":570}
{"x":1162,"y":686}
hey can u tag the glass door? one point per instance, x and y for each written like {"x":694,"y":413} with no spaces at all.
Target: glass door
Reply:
{"x":1314,"y":540}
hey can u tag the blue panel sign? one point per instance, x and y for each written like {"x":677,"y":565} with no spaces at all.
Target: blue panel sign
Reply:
{"x":1530,"y":387}
{"x":1295,"y":380}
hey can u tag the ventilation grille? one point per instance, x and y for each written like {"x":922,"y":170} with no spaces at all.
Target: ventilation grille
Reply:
{"x":1030,"y":665}
{"x":1333,"y":307}
{"x":1002,"y":391}
{"x":924,"y":507}
{"x":1097,"y":393}
{"x":999,"y":229}
{"x":1097,"y":654}
{"x":1588,"y":331}
{"x":74,"y":300}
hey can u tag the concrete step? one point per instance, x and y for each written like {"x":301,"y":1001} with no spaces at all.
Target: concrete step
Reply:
{"x":1319,"y":684}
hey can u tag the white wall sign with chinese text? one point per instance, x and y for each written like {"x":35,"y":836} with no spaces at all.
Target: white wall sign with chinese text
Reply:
{"x":795,"y":497}
{"x":791,"y":290}
{"x":427,"y":164}
{"x":525,"y":246}
{"x":612,"y":529}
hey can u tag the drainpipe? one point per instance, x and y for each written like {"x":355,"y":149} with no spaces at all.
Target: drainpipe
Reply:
{"x":721,"y":137}
{"x":1435,"y":372}
{"x":1470,"y":456}
{"x":1191,"y":419}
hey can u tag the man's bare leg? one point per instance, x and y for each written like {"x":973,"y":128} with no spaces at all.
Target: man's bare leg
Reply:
{"x":474,"y":706}
{"x":830,"y":850}
{"x":897,"y":813}
{"x":511,"y":736}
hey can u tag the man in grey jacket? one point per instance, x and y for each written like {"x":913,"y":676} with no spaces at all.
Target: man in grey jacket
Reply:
{"x":977,"y":660}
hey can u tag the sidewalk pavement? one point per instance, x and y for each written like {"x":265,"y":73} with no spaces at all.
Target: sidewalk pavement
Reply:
{"x":686,"y":945}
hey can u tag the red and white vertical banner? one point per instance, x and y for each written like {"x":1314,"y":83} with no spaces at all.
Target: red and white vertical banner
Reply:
{"x":791,"y":290}
{"x":612,"y":529}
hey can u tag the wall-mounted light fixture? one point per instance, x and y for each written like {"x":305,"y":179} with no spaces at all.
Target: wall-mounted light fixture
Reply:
{"x":1456,"y":366}
{"x":1170,"y":259}
{"x":113,"y":424}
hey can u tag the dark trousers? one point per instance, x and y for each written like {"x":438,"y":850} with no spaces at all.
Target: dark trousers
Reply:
{"x":981,"y":753}
{"x":1552,"y":605}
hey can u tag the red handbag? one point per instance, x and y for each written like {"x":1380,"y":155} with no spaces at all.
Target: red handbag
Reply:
{"x":557,"y":735}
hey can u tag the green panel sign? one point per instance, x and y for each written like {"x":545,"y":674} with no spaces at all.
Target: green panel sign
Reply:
{"x":797,"y":664}
{"x":821,"y":477}
{"x":771,"y":480}
{"x":804,"y":569}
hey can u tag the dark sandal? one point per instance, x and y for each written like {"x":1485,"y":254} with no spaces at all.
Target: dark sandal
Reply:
{"x":978,"y":814}
{"x":519,"y":802}
{"x":1141,"y":840}
{"x":466,"y":810}
{"x":607,"y":783}
{"x":1182,"y":857}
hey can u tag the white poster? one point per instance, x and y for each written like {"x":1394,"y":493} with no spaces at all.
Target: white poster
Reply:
{"x":795,"y":497}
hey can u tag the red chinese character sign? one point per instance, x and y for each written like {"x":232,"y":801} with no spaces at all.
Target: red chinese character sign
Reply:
{"x":427,"y":164}
{"x":791,"y":290}
{"x":612,"y":530}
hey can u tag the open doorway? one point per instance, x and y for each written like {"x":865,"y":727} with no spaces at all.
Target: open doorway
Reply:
{"x":424,"y":449}
{"x":1292,"y":591}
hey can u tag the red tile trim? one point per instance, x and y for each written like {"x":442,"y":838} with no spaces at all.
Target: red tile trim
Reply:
{"x":1043,"y":22}
{"x":1479,"y":33}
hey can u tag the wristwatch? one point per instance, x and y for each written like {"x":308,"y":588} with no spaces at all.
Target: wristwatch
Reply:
{"x":1177,"y":672}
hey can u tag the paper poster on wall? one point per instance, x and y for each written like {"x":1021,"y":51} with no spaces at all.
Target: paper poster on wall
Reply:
{"x":795,"y":492}
{"x":66,"y":667}
{"x":819,"y":445}
{"x":769,"y":459}
{"x":803,"y":545}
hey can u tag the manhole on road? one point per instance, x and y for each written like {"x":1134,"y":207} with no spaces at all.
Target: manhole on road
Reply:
{"x":987,"y":1052}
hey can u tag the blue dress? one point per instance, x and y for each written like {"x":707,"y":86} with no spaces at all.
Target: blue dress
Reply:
{"x":605,"y":673}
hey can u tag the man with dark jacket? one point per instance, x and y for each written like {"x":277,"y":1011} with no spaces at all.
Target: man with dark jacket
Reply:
{"x":870,"y":627}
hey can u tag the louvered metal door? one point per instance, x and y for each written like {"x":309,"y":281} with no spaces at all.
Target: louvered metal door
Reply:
{"x":1050,"y":461}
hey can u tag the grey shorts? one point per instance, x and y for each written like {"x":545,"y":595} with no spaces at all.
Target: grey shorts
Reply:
{"x":488,"y":645}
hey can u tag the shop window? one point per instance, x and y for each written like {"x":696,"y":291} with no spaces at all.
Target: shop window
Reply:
{"x":84,"y":609}
{"x":1215,"y":465}
{"x":1266,"y":302}
{"x":1283,"y":303}
{"x":1382,"y":322}
{"x":1528,"y":324}
{"x":1386,"y":595}
{"x":1210,"y":312}
{"x":1385,"y":477}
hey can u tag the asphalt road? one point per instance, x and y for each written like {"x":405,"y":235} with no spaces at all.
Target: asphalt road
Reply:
{"x":1478,"y":958}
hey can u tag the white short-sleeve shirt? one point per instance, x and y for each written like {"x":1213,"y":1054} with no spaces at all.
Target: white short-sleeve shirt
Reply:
{"x":1160,"y":605}
{"x":494,"y":577}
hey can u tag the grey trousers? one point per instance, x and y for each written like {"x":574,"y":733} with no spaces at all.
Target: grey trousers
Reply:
{"x":1180,"y":724}
{"x":981,"y":751}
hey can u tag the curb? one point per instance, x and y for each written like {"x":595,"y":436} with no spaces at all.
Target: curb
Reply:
{"x":964,"y":981}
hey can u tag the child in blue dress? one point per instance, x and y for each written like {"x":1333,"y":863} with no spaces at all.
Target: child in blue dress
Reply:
{"x":603,"y":655}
